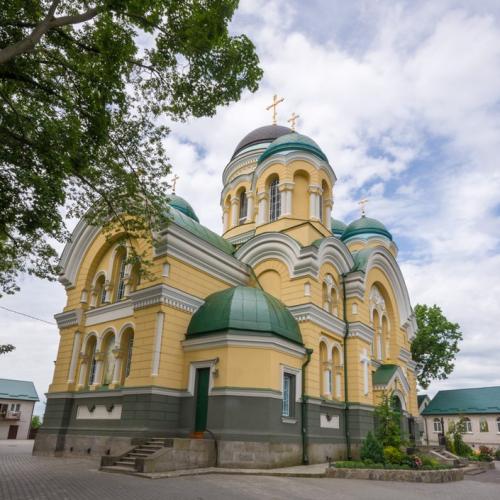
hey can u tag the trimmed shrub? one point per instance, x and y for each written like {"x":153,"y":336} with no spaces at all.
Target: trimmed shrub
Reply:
{"x":485,"y":454}
{"x":429,"y":462}
{"x":497,"y":454}
{"x":372,"y":449}
{"x":461,"y":449}
{"x":393,"y":455}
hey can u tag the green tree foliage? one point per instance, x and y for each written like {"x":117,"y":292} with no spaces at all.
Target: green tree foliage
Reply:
{"x":435,"y":345}
{"x":5,"y":348}
{"x":86,"y":88}
{"x":35,"y":422}
{"x":372,"y":450}
{"x":388,"y":422}
{"x":454,"y":440}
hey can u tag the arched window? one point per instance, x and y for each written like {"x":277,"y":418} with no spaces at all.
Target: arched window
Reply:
{"x":119,"y":273}
{"x":243,"y":206}
{"x":128,"y":361}
{"x":483,"y":425}
{"x":498,"y":424}
{"x":109,"y":360}
{"x":135,"y":277}
{"x":100,"y":290}
{"x":437,"y":425}
{"x":321,"y":211}
{"x":274,"y":200}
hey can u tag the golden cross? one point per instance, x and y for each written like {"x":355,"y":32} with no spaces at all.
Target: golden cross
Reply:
{"x":276,"y":101}
{"x":174,"y":182}
{"x":362,"y":203}
{"x":293,"y":120}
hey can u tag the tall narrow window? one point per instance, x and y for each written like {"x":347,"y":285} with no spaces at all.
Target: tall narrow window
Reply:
{"x":121,"y":281}
{"x":437,"y":425}
{"x":129,"y":354}
{"x":92,"y":367}
{"x":288,"y":391}
{"x":483,"y":425}
{"x":243,"y":206}
{"x":274,"y":200}
{"x":498,"y":425}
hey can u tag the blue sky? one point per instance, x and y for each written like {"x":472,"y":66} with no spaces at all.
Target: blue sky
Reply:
{"x":403,"y":97}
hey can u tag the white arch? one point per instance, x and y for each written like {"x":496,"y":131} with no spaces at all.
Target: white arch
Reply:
{"x":401,"y":397}
{"x":126,"y":326}
{"x":97,"y":275}
{"x":332,"y":250}
{"x":103,"y":335}
{"x":86,"y":341}
{"x":382,"y":259}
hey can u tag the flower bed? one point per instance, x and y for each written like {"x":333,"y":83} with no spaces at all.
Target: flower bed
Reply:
{"x":379,"y":472}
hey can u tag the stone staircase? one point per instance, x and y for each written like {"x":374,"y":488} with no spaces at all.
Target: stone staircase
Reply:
{"x":128,"y":461}
{"x":445,"y":457}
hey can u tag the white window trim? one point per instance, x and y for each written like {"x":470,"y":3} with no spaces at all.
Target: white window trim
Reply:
{"x":298,"y":381}
{"x":209,"y":363}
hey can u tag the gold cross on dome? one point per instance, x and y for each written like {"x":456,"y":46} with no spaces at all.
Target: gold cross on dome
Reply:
{"x":293,"y":120}
{"x":276,"y":101}
{"x":174,"y":182}
{"x":362,"y":203}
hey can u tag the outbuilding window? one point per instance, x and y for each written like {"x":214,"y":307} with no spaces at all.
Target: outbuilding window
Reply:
{"x":498,"y":424}
{"x":437,"y":425}
{"x":483,"y":425}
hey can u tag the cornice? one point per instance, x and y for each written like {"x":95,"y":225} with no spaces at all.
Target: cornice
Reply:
{"x":313,"y":313}
{"x":110,"y":312}
{"x":362,"y":331}
{"x":167,"y":295}
{"x":68,"y":318}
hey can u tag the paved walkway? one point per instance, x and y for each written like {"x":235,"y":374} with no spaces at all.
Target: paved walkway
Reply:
{"x":23,"y":477}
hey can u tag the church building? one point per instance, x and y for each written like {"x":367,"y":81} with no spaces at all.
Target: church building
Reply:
{"x":277,"y":338}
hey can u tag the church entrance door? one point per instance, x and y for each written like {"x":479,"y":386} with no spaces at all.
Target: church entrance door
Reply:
{"x":202,"y":381}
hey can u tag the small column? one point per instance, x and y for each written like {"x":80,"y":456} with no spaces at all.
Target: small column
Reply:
{"x":338,"y":383}
{"x":250,"y":215}
{"x":235,"y":205}
{"x":117,"y":371}
{"x":109,"y":289}
{"x":328,"y":210}
{"x":286,"y":189}
{"x":93,"y":297}
{"x":84,"y":366}
{"x":262,"y":200}
{"x":225,"y":218}
{"x":99,"y":361}
{"x":155,"y":366}
{"x":314,"y":202}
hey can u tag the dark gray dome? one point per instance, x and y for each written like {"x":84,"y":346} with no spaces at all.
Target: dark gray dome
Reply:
{"x":267,"y":133}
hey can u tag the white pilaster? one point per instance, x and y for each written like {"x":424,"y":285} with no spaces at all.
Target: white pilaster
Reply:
{"x":235,"y":203}
{"x":250,"y":215}
{"x":160,"y":317}
{"x":262,"y":215}
{"x":365,"y":360}
{"x":74,"y":357}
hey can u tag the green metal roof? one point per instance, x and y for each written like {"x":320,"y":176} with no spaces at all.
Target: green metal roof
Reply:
{"x":293,"y":142}
{"x":337,"y":227}
{"x":365,"y":226}
{"x":17,"y":389}
{"x":245,"y":309}
{"x":452,"y":402}
{"x":361,"y":259}
{"x":383,"y":374}
{"x":195,"y":228}
{"x":183,"y":206}
{"x":421,"y":398}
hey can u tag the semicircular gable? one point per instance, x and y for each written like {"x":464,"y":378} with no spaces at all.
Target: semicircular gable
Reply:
{"x":270,"y":246}
{"x":382,"y":259}
{"x":334,"y":251}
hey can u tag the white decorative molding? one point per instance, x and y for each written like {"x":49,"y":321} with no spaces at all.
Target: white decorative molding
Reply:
{"x":246,"y":392}
{"x":208,"y":363}
{"x":110,"y":312}
{"x":313,"y":313}
{"x":354,"y":284}
{"x":74,"y":357}
{"x":167,"y":295}
{"x":297,"y":373}
{"x":99,"y":412}
{"x":166,"y":270}
{"x":82,"y":237}
{"x":362,"y":331}
{"x":404,"y":354}
{"x":237,"y":340}
{"x":187,"y":247}
{"x":68,"y":318}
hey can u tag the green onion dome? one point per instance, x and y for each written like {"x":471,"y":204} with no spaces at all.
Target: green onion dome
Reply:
{"x":245,"y":310}
{"x":337,"y":227}
{"x":183,"y":206}
{"x":364,"y":227}
{"x":293,"y":142}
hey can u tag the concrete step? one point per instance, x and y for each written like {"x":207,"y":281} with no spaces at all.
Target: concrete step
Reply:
{"x":134,"y":454}
{"x":152,"y":446}
{"x":147,"y":451}
{"x":118,"y":469}
{"x":124,"y":462}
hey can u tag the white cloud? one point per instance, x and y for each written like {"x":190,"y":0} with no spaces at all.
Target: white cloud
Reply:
{"x":403,"y":98}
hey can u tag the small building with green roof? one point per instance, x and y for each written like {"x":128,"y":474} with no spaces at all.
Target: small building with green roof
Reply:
{"x":17,"y":402}
{"x":478,"y":410}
